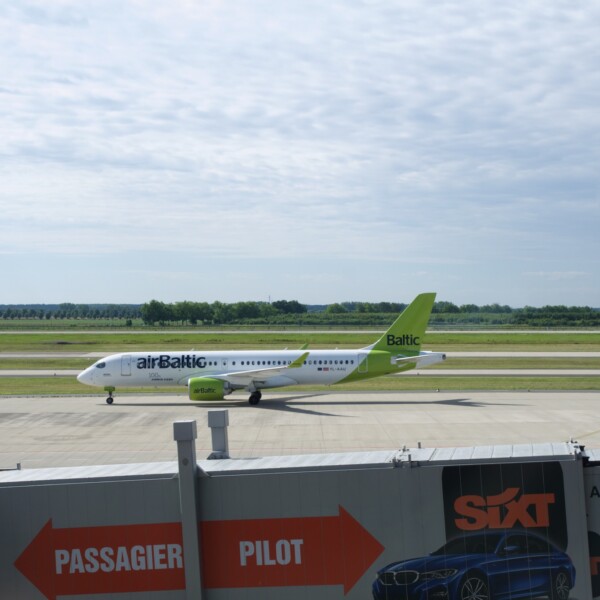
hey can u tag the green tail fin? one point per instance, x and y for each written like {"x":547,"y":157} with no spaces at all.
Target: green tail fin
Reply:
{"x":406,"y":334}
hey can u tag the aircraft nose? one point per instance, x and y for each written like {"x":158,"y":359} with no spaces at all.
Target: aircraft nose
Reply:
{"x":86,"y":377}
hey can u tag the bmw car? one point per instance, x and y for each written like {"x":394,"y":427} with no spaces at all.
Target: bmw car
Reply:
{"x":485,"y":566}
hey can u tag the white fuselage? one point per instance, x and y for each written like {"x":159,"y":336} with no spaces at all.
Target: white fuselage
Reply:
{"x":136,"y":369}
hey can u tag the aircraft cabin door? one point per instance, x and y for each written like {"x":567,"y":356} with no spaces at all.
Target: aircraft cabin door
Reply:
{"x":224,"y":362}
{"x":126,"y":365}
{"x":363,"y":363}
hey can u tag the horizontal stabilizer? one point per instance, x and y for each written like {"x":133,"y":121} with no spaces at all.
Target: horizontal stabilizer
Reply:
{"x":422,"y":360}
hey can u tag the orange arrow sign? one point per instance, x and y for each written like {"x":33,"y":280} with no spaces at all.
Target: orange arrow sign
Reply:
{"x":301,"y":551}
{"x":96,"y":560}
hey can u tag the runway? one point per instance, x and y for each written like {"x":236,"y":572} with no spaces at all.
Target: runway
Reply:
{"x":427,"y":371}
{"x":69,"y":431}
{"x":558,"y":354}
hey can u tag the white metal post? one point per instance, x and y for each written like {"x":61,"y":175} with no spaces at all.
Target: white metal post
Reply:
{"x":185,"y":434}
{"x":218,"y":421}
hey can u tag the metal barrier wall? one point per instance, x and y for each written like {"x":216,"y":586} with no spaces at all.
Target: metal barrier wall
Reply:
{"x":437,"y":523}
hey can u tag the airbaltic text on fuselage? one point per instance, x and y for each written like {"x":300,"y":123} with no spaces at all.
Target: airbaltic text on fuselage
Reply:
{"x":167,"y":361}
{"x":403,"y":340}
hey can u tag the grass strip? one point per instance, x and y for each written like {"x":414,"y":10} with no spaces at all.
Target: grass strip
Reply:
{"x":45,"y":363}
{"x":55,"y":342}
{"x":55,"y":386}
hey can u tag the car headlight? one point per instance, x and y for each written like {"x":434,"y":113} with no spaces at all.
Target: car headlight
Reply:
{"x":438,"y":574}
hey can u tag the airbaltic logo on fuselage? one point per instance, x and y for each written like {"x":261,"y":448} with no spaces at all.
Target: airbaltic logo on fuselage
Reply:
{"x":166,"y":361}
{"x":408,"y":339}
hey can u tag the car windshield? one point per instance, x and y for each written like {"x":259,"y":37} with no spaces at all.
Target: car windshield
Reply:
{"x":472,"y":544}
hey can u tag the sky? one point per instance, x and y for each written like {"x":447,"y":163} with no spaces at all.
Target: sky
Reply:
{"x":316,"y":151}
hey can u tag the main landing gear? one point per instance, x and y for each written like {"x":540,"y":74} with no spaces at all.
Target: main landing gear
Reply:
{"x":255,"y":398}
{"x":110,"y":391}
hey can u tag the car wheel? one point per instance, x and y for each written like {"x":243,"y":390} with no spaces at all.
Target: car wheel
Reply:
{"x":561,"y":586}
{"x":474,"y":587}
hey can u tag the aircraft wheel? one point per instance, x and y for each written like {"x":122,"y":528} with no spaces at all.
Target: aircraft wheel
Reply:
{"x":254,"y":398}
{"x":109,"y":400}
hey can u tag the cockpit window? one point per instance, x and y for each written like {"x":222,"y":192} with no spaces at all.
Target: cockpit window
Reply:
{"x":100,"y":365}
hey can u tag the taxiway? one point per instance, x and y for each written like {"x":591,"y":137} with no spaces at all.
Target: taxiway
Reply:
{"x":69,"y":431}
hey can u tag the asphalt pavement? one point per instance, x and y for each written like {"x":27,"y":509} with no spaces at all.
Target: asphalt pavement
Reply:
{"x":84,"y":430}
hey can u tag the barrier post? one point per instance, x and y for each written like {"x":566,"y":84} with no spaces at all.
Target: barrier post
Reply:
{"x":218,"y":421}
{"x":185,"y":434}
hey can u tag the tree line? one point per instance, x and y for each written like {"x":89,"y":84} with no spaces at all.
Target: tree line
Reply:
{"x":292,"y":312}
{"x":218,"y":312}
{"x":69,"y":310}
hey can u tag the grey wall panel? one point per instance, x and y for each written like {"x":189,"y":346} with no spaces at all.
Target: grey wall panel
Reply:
{"x":25,"y":510}
{"x":401,"y":507}
{"x":592,"y":494}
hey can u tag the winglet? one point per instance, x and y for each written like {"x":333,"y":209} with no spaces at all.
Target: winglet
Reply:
{"x":299,"y":361}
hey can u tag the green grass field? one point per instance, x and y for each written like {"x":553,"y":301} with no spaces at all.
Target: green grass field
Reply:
{"x":81,"y":342}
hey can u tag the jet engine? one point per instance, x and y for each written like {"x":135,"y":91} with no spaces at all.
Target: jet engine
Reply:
{"x":207,"y":388}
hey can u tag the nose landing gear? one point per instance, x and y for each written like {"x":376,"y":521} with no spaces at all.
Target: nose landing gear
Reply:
{"x":110,"y":391}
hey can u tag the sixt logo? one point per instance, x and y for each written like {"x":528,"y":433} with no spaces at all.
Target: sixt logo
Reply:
{"x":503,"y":510}
{"x":166,"y":361}
{"x":408,"y":339}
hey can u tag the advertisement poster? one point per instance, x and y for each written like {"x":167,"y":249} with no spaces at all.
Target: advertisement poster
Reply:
{"x":592,"y":492}
{"x":506,"y":537}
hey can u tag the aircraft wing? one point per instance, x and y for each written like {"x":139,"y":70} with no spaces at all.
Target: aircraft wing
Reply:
{"x":247,"y":377}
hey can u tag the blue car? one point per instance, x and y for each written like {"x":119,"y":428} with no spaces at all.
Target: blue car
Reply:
{"x":484,"y":566}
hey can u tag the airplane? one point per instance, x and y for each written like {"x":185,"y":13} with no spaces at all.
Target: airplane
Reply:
{"x":214,"y":374}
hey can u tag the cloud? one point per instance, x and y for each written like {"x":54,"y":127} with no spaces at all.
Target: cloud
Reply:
{"x":558,"y":275}
{"x":449,"y":132}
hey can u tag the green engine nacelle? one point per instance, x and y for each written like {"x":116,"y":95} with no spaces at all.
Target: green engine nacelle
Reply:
{"x":206,"y":388}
